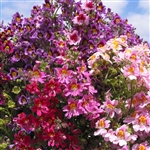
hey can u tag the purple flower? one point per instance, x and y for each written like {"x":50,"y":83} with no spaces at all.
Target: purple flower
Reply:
{"x":13,"y":74}
{"x":23,"y":100}
{"x":16,"y":57}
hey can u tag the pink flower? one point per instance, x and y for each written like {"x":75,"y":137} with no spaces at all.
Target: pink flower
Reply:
{"x":38,"y":76}
{"x":72,"y":108}
{"x":80,"y":19}
{"x":74,"y":38}
{"x":88,"y":105}
{"x":110,"y":107}
{"x":122,"y":136}
{"x":142,"y":123}
{"x":88,"y":5}
{"x":102,"y":125}
{"x":141,"y":146}
{"x":74,"y":88}
{"x":130,"y":71}
{"x":63,"y":74}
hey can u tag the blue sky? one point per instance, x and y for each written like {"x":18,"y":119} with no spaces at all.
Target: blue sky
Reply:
{"x":136,"y":11}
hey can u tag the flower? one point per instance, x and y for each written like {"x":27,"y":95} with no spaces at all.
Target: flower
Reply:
{"x":22,"y":100}
{"x":37,"y":76}
{"x":74,"y":88}
{"x":102,"y":125}
{"x":41,"y":106}
{"x":82,"y":18}
{"x":74,"y":38}
{"x":141,"y":146}
{"x":72,"y":108}
{"x":64,"y":74}
{"x":122,"y":136}
{"x":142,"y":122}
{"x":88,"y":5}
{"x":13,"y":74}
{"x":130,"y":71}
{"x":110,"y":107}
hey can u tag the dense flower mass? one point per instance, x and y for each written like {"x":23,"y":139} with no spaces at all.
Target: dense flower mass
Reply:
{"x":73,"y":76}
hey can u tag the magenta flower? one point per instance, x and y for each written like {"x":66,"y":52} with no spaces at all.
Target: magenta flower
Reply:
{"x":72,"y":108}
{"x":38,"y":76}
{"x":63,"y":74}
{"x":74,"y":88}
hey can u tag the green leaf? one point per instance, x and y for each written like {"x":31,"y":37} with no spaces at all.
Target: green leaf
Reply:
{"x":3,"y":146}
{"x":11,"y":104}
{"x":2,"y":122}
{"x":16,"y":89}
{"x":7,"y":96}
{"x":2,"y":109}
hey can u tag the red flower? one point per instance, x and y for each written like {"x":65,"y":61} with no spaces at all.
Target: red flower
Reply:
{"x":27,"y":123}
{"x":41,"y":105}
{"x":33,"y":88}
{"x":22,"y":140}
{"x":52,"y":88}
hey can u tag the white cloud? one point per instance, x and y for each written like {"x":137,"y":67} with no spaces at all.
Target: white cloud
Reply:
{"x":145,"y":5}
{"x":24,"y":8}
{"x":141,"y":21}
{"x":116,"y":6}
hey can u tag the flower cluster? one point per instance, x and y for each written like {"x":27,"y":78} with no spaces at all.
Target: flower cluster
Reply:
{"x":129,"y":110}
{"x":73,"y":76}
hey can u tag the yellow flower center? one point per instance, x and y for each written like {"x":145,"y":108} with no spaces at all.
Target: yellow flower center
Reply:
{"x":14,"y":74}
{"x":18,"y":19}
{"x":74,"y":86}
{"x":101,"y":123}
{"x":117,"y":20}
{"x":36,"y":74}
{"x":64,"y":72}
{"x":120,"y":133}
{"x":72,"y":106}
{"x":133,"y":57}
{"x":110,"y":106}
{"x":142,"y":120}
{"x":7,"y":48}
{"x":91,"y":46}
{"x":61,"y":44}
{"x":85,"y":103}
{"x":23,"y":100}
{"x":141,"y":147}
{"x":116,"y":44}
{"x":131,"y":70}
{"x":94,"y":31}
